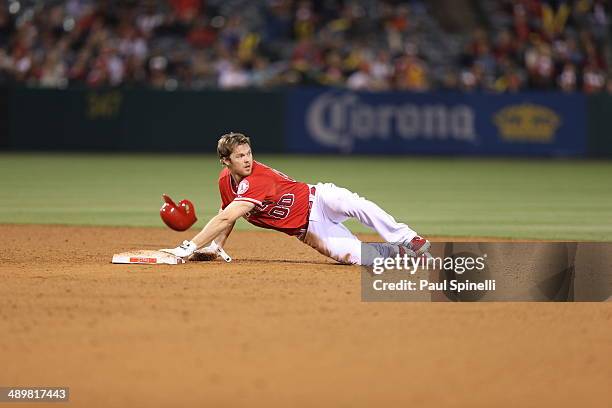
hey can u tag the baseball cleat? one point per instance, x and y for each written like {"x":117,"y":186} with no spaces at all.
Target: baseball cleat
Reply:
{"x":419,"y":245}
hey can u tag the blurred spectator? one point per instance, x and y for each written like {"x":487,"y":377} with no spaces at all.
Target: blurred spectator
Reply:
{"x":539,"y":64}
{"x":7,"y":26}
{"x":201,"y":35}
{"x":593,"y":79}
{"x":186,"y":10}
{"x":411,"y":74}
{"x":373,"y":45}
{"x":568,"y":78}
{"x":232,"y":75}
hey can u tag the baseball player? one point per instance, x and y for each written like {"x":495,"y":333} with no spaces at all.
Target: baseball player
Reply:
{"x":314,"y":214}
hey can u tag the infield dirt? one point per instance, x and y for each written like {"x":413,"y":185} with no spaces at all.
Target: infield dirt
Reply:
{"x":280,"y":326}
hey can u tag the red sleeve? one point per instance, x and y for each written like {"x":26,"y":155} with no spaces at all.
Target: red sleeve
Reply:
{"x":225,"y":189}
{"x":252,"y":189}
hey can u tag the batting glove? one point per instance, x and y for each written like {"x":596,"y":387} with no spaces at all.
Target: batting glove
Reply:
{"x":184,"y":250}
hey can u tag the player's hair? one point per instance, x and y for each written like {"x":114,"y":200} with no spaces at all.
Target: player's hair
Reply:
{"x":228,"y":142}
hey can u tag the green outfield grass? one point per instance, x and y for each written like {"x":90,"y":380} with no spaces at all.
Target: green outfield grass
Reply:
{"x":545,"y":199}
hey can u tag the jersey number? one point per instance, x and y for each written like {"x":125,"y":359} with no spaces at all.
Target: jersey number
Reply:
{"x":283,"y":207}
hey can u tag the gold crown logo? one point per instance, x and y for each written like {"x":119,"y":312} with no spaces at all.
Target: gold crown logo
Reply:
{"x":527,"y":123}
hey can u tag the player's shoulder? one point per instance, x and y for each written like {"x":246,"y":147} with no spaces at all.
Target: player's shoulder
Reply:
{"x":260,"y":169}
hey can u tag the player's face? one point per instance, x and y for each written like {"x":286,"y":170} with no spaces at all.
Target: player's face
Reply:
{"x":240,"y":161}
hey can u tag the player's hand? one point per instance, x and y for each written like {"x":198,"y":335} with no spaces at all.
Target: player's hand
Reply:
{"x":208,"y":253}
{"x":182,"y":251}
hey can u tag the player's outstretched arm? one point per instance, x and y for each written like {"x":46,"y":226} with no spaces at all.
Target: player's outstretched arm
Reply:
{"x":221,"y":222}
{"x":222,"y":237}
{"x":215,"y":248}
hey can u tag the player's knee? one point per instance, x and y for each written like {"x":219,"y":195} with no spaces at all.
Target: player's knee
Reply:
{"x":346,"y":203}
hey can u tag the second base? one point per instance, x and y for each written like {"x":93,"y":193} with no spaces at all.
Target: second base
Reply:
{"x":146,"y":257}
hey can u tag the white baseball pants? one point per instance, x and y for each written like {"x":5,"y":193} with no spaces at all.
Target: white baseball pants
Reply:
{"x":333,"y":205}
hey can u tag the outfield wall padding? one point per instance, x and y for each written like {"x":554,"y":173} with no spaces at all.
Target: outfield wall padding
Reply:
{"x":599,"y":125}
{"x":4,"y":131}
{"x":308,"y":120}
{"x":141,"y":119}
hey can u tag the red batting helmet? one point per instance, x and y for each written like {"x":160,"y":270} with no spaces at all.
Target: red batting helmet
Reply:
{"x":178,"y":217}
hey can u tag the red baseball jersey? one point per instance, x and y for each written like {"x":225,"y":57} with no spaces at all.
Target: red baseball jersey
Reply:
{"x":281,"y":203}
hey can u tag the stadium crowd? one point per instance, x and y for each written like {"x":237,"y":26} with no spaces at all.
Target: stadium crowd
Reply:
{"x":369,"y":45}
